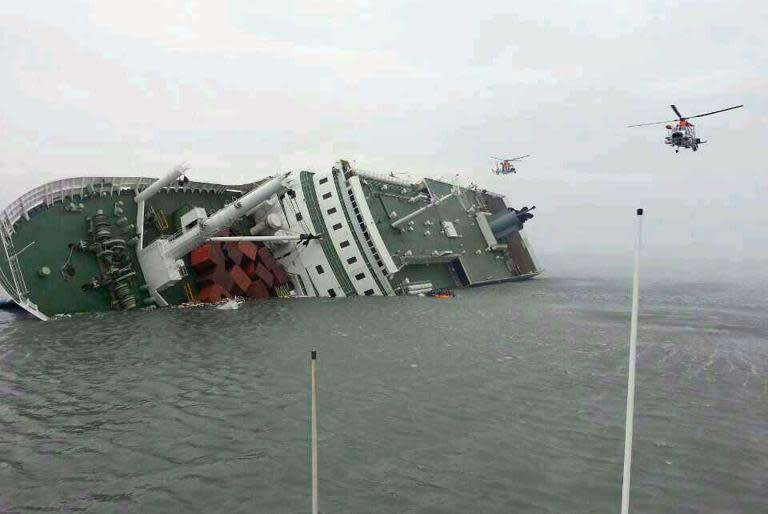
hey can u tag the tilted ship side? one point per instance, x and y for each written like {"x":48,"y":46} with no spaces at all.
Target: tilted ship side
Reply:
{"x":120,"y":243}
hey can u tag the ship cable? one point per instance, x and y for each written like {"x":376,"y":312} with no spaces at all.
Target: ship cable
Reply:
{"x":67,"y":270}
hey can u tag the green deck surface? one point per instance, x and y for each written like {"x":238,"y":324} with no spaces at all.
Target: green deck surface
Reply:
{"x":51,"y":229}
{"x":480,"y":268}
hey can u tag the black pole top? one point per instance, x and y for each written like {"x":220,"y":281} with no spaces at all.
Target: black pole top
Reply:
{"x":314,"y":355}
{"x":640,"y":212}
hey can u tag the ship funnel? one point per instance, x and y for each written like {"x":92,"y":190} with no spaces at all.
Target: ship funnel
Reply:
{"x":511,"y":221}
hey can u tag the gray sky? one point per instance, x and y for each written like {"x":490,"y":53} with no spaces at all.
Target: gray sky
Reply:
{"x":245,"y":89}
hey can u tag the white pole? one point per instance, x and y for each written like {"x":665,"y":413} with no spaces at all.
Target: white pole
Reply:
{"x":164,"y":181}
{"x":140,"y":224}
{"x":223,"y":218}
{"x":313,"y":370}
{"x":256,"y":239}
{"x":631,"y":379}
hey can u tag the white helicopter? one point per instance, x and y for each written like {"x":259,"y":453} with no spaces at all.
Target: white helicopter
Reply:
{"x":680,"y":132}
{"x":505,"y":166}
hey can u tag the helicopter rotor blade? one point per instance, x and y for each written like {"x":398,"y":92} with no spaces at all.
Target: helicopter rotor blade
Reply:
{"x":679,"y":116}
{"x":512,"y":159}
{"x":651,"y":123}
{"x":715,"y":112}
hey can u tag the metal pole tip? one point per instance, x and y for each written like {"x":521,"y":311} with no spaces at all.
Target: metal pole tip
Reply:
{"x":640,"y":212}
{"x":314,"y":355}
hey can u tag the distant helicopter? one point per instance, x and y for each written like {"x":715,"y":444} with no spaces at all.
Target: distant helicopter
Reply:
{"x":683,"y":133}
{"x":505,"y":166}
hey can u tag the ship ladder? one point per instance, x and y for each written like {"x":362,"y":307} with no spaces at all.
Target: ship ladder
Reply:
{"x":191,"y":298}
{"x":161,"y":222}
{"x":282,"y":291}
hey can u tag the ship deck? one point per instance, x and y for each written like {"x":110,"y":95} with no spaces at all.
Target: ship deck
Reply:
{"x":422,"y":265}
{"x":41,"y":236}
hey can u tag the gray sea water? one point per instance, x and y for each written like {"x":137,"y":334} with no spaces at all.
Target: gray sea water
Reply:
{"x":508,"y":398}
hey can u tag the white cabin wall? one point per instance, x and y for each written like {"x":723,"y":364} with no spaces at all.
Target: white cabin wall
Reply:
{"x":342,"y":235}
{"x":303,"y":260}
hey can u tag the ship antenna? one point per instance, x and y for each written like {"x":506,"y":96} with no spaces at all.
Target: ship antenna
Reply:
{"x":631,"y":378}
{"x":313,"y":376}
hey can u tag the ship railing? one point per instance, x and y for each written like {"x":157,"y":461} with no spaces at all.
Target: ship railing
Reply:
{"x":481,"y":201}
{"x":70,"y":188}
{"x":171,"y":236}
{"x":383,"y":177}
{"x":15,"y":286}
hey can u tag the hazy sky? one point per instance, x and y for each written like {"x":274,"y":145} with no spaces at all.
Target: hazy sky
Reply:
{"x":243,"y":89}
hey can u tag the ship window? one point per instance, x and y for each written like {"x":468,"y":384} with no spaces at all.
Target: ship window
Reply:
{"x":301,"y":283}
{"x":319,"y":269}
{"x":332,"y":293}
{"x":323,"y":180}
{"x":327,"y":196}
{"x":299,"y":217}
{"x":331,"y":210}
{"x":352,"y":260}
{"x":369,"y":292}
{"x":360,"y":276}
{"x":337,"y":226}
{"x":344,"y":244}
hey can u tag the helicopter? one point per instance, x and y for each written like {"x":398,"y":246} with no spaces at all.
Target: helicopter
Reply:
{"x":681,"y":133}
{"x":505,"y":166}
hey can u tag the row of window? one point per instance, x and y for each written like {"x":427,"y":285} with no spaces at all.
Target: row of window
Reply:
{"x":367,"y":236}
{"x":367,"y":292}
{"x":345,"y":244}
